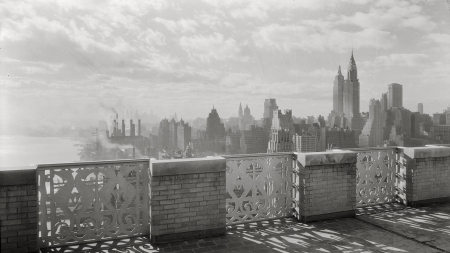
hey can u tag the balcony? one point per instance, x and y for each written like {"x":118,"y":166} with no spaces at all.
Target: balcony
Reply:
{"x":381,"y":199}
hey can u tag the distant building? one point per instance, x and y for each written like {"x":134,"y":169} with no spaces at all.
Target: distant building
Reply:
{"x":280,"y":140}
{"x":395,"y":95}
{"x":233,"y":143}
{"x":439,"y":119}
{"x":334,"y":137}
{"x":281,"y":132}
{"x":351,"y":90}
{"x":398,"y":126}
{"x":269,"y":105}
{"x":338,"y":93}
{"x":183,"y":135}
{"x":254,"y":140}
{"x":372,"y":133}
{"x":163,"y":134}
{"x":441,"y":134}
{"x":215,"y":129}
{"x":420,"y":108}
{"x":173,"y":134}
{"x":240,"y":114}
{"x":384,"y":101}
{"x":305,"y":143}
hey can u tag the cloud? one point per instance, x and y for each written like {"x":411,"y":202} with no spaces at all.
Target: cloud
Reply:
{"x":286,"y":38}
{"x":212,"y":47}
{"x":396,"y":60}
{"x":182,"y":25}
{"x":389,"y":14}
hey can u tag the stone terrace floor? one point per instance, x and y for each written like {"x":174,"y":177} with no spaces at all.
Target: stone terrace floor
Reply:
{"x":386,"y":228}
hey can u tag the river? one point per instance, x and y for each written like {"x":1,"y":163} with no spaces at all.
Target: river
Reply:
{"x":24,"y":150}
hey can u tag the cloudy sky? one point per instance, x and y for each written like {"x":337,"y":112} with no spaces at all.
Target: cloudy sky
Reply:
{"x":62,"y":59}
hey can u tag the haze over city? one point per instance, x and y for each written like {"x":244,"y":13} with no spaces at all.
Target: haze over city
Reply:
{"x":61,"y":59}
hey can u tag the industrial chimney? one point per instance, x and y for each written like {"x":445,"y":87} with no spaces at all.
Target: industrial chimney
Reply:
{"x":139,"y":127}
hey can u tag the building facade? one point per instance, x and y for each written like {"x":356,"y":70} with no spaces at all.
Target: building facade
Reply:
{"x":372,"y":133}
{"x":305,"y":143}
{"x":215,"y":129}
{"x":395,"y":95}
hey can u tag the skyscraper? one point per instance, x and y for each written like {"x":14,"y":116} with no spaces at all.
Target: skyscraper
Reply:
{"x":269,"y":105}
{"x":351,"y":90}
{"x":384,"y":101}
{"x":338,"y":92}
{"x":372,"y":133}
{"x":420,"y":108}
{"x":240,"y":114}
{"x":395,"y":95}
{"x":215,"y":129}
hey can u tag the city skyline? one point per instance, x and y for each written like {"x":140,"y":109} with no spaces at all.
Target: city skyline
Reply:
{"x":61,"y":60}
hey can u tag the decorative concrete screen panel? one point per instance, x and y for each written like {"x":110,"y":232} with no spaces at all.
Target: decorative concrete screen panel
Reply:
{"x":93,"y":201}
{"x":375,"y":177}
{"x":258,"y":187}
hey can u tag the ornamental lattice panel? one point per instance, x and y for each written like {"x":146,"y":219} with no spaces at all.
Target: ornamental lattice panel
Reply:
{"x":92,"y":202}
{"x":258,"y":188}
{"x":375,"y":177}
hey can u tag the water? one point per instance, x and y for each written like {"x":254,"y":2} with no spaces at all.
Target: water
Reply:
{"x":23,"y":150}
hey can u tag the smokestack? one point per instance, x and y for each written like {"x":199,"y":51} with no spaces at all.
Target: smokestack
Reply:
{"x":133,"y":152}
{"x":123,"y":127}
{"x":139,"y":127}
{"x":131,"y":128}
{"x":115,"y":126}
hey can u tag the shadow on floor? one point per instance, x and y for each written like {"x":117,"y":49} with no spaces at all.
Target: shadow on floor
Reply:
{"x":390,"y":230}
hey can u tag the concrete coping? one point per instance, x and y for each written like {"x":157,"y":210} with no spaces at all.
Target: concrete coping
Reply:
{"x":18,"y":175}
{"x":426,"y":152}
{"x":324,"y":158}
{"x":187,"y":166}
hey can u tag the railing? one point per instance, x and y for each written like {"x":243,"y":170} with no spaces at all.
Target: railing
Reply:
{"x":258,"y":187}
{"x":376,"y":176}
{"x":93,"y":201}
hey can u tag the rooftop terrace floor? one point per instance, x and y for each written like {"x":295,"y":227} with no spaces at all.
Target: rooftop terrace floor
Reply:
{"x":386,"y":228}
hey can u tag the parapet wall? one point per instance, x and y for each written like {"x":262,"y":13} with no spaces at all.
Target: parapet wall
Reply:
{"x":18,"y":210}
{"x":327,"y":185}
{"x":187,"y":199}
{"x":428,"y":174}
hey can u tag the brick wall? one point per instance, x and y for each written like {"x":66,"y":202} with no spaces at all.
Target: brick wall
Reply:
{"x":327,"y":185}
{"x":18,"y":210}
{"x":187,"y":199}
{"x":427,"y":175}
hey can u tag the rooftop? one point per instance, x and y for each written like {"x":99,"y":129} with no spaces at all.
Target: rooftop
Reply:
{"x":382,"y":228}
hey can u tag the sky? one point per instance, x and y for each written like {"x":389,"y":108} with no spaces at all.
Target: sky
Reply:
{"x":61,"y":60}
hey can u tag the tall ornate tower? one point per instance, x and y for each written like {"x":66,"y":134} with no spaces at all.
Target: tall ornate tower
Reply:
{"x":338,"y":93}
{"x":351,"y":91}
{"x":240,"y":114}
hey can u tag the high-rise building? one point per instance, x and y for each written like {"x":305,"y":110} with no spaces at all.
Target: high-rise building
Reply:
{"x":338,"y":93}
{"x":163,"y":133}
{"x":384,"y":101}
{"x":269,"y":105}
{"x":351,"y":90}
{"x":280,"y":140}
{"x":281,"y":132}
{"x":173,"y":133}
{"x":254,"y":140}
{"x":420,"y":108}
{"x":233,"y":143}
{"x":215,"y":129}
{"x":305,"y":143}
{"x":372,"y":133}
{"x":183,"y":135}
{"x":397,"y":126}
{"x":334,"y":137}
{"x":395,"y":95}
{"x":441,"y":134}
{"x":240,"y":111}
